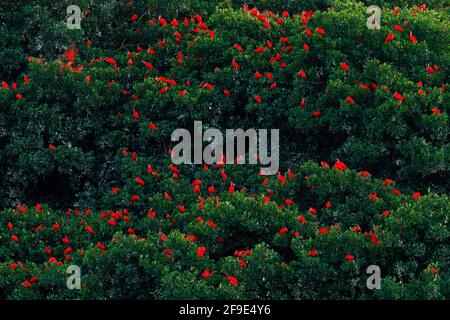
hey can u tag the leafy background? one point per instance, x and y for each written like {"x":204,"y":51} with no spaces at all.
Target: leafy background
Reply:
{"x":75,"y":125}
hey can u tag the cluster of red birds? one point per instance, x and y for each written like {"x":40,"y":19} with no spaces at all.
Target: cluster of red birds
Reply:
{"x":197,"y":24}
{"x":112,"y":217}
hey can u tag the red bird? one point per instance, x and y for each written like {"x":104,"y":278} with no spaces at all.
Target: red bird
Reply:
{"x":344,"y":66}
{"x":320,"y":31}
{"x":235,"y":64}
{"x":139,"y":181}
{"x":148,"y":65}
{"x":398,"y":28}
{"x":302,"y":74}
{"x":398,"y":96}
{"x":389,"y":37}
{"x":350,"y":100}
{"x":201,"y":251}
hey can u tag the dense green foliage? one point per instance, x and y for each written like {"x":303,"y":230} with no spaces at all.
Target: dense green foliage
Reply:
{"x":85,"y":123}
{"x":265,"y":240}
